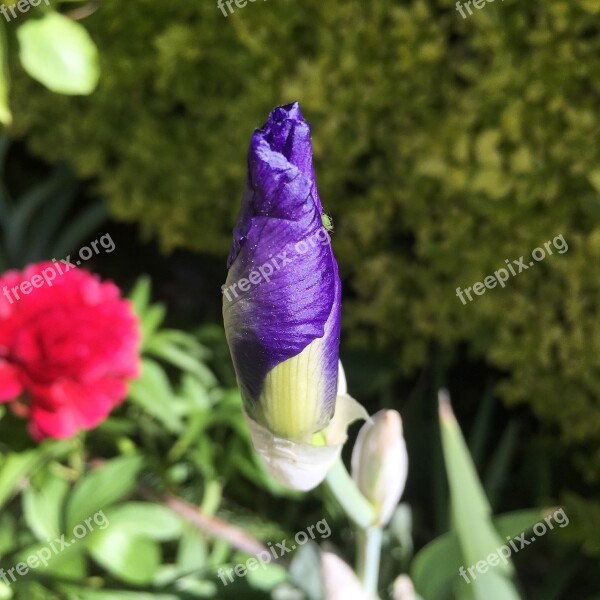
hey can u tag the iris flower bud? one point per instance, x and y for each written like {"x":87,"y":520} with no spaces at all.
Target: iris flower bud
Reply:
{"x":380,"y":462}
{"x":282,"y":308}
{"x":281,"y":304}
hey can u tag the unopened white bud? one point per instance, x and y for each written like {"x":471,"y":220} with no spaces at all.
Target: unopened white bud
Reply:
{"x":404,"y":589}
{"x":380,"y":463}
{"x":339,"y":580}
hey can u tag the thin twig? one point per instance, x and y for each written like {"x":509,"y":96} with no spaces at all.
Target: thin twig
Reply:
{"x":212,"y":526}
{"x":82,"y":12}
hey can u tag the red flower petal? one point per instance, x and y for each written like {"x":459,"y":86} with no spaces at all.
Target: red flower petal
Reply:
{"x":70,"y":344}
{"x":10,"y":384}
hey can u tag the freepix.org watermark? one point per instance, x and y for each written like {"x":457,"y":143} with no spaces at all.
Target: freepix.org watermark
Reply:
{"x":478,"y":4}
{"x":43,"y":555}
{"x":266,"y":270}
{"x":503,"y":553}
{"x":22,"y":5}
{"x":262,"y":559}
{"x":239,"y":3}
{"x":502,"y":275}
{"x":48,"y":275}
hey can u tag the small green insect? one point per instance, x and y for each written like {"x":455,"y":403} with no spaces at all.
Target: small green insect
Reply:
{"x":327,"y":222}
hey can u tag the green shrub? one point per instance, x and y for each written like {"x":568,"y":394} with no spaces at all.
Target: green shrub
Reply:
{"x":444,"y":146}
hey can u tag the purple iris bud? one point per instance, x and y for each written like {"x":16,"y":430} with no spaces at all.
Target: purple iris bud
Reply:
{"x":282,"y":298}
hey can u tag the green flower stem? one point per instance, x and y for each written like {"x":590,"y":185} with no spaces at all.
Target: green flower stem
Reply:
{"x":368,"y":558}
{"x":356,"y":506}
{"x":361,"y":511}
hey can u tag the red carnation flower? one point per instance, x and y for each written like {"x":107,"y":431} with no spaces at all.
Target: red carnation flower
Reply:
{"x":68,"y":345}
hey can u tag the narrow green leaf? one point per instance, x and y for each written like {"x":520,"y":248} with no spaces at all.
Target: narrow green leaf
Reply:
{"x":79,"y":230}
{"x":27,"y":210}
{"x":59,"y":53}
{"x":187,"y":342}
{"x":176,"y":356}
{"x":153,"y":392}
{"x":481,"y":426}
{"x":140,"y":295}
{"x":151,"y":321}
{"x":471,"y":512}
{"x":500,"y":464}
{"x":46,"y":227}
{"x":198,"y":397}
{"x":435,"y":568}
{"x":4,"y":146}
{"x":513,"y":523}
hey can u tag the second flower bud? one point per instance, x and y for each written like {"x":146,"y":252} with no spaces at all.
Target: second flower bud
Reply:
{"x":380,"y":463}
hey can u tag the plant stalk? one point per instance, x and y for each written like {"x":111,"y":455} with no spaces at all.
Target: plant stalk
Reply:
{"x":361,"y":512}
{"x":368,"y":558}
{"x":355,"y":505}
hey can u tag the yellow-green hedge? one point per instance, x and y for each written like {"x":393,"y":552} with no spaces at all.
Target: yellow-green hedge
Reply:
{"x":444,"y":146}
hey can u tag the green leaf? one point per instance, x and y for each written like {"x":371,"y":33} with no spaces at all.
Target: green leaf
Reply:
{"x":196,"y":394}
{"x":435,"y":567}
{"x":42,"y":507}
{"x":519,"y":521}
{"x":471,"y":512}
{"x":87,"y":594}
{"x":27,"y":211}
{"x":101,"y":488}
{"x":267,"y":577}
{"x":161,"y":347}
{"x":142,"y":519}
{"x":500,"y":463}
{"x":13,"y":469}
{"x":151,"y":320}
{"x":186,"y":342}
{"x":153,"y":392}
{"x":192,"y":553}
{"x":5,"y":592}
{"x":46,"y":226}
{"x":479,"y":432}
{"x":68,"y":562}
{"x":131,"y":559}
{"x":140,"y":295}
{"x":8,"y":533}
{"x":79,"y":229}
{"x":5,"y":114}
{"x":71,"y":564}
{"x":305,"y":564}
{"x":16,"y":467}
{"x":60,"y":54}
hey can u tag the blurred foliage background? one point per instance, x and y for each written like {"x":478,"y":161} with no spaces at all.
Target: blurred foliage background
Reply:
{"x":443,"y":147}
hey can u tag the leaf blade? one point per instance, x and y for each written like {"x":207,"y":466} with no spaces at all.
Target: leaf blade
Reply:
{"x":60,"y":54}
